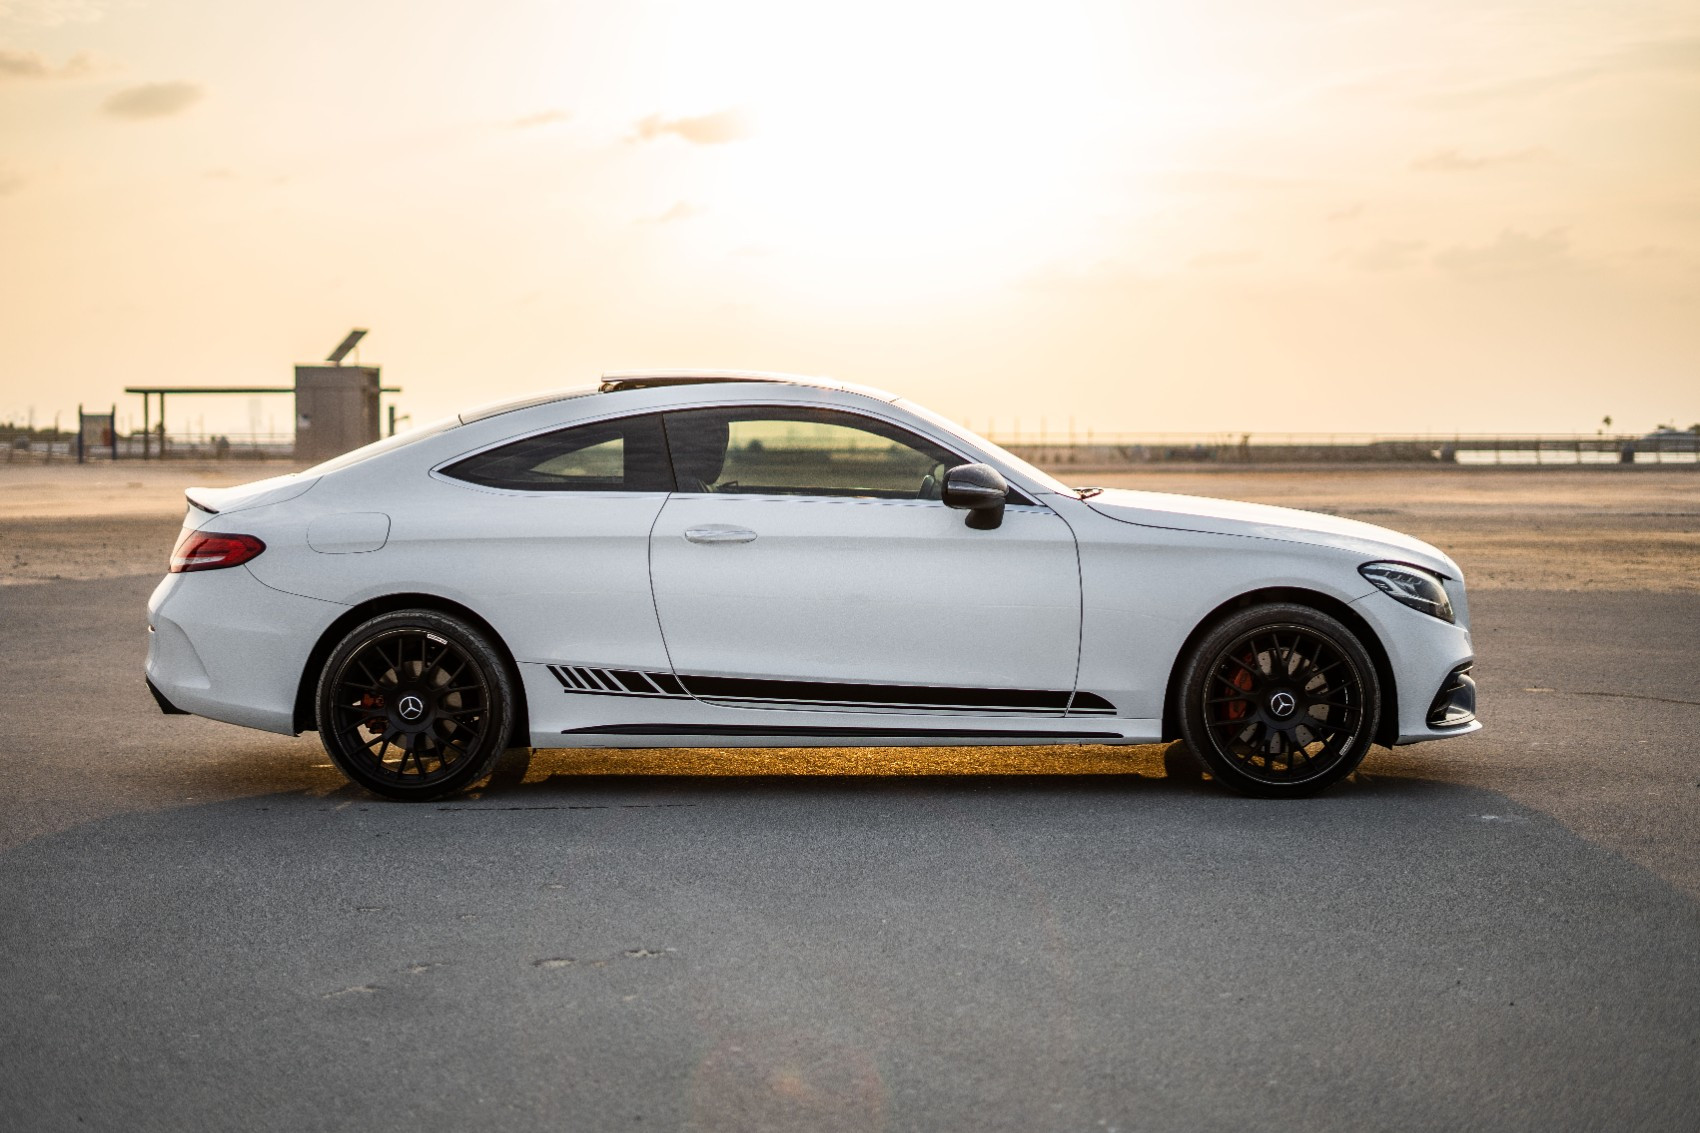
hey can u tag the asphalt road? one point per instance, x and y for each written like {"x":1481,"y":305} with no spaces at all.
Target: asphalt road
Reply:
{"x":201,"y":927}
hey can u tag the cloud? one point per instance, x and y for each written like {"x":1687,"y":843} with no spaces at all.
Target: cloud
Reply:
{"x":152,"y":100}
{"x":1231,"y":259}
{"x":1453,"y":161}
{"x":542,"y":118}
{"x":1350,"y":212}
{"x":1388,"y":255}
{"x":707,"y":130}
{"x":1678,"y":56}
{"x":1511,"y":253}
{"x":681,"y":210}
{"x":32,"y":65}
{"x":1104,"y":276}
{"x":10,"y":180}
{"x":51,"y":13}
{"x":1214,"y":181}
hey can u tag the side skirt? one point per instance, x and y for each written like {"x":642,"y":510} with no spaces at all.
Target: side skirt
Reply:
{"x":780,"y":732}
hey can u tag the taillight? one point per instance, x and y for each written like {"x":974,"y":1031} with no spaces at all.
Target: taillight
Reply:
{"x":209,"y":550}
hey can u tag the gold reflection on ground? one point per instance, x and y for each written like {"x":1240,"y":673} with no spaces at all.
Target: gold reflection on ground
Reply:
{"x":1149,"y":760}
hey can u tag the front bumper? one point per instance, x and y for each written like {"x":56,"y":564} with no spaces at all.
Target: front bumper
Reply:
{"x":1427,"y":656}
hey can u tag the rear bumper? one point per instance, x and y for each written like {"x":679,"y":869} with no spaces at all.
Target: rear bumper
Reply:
{"x":224,"y":645}
{"x":165,"y":705}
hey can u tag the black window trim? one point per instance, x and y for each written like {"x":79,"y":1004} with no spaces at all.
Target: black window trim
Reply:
{"x":1019,"y":497}
{"x":440,"y":470}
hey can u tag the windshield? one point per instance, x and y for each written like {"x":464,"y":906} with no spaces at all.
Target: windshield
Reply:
{"x":378,"y":448}
{"x":1003,"y":455}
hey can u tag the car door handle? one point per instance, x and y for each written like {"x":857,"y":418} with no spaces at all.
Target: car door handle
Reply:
{"x":719,"y":533}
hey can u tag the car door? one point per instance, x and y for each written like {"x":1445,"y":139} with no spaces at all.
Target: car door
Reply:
{"x":805,"y":561}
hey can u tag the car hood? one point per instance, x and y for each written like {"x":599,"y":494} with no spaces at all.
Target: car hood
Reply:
{"x":1262,"y":521}
{"x":270,"y":491}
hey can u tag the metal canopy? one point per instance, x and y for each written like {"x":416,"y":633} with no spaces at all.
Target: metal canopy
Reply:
{"x":208,"y":389}
{"x":162,"y":390}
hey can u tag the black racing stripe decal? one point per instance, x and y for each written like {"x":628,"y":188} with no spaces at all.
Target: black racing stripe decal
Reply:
{"x":755,"y":692}
{"x":887,"y":696}
{"x":1089,"y":702}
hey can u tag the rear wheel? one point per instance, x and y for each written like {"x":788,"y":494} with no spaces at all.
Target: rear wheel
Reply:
{"x":415,"y":704}
{"x":1280,"y":701}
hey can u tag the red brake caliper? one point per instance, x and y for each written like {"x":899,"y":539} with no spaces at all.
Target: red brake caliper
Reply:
{"x":373,"y":700}
{"x":1236,"y":709}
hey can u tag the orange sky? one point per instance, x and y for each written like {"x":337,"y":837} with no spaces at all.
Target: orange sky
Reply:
{"x":1219,"y":215}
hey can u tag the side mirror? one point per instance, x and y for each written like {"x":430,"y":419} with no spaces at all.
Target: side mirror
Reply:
{"x":978,"y":489}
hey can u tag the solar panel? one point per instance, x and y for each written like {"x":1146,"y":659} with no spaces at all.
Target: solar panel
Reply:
{"x":354,"y":336}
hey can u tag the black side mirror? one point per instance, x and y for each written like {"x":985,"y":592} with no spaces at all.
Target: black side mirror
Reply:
{"x":979,"y":489}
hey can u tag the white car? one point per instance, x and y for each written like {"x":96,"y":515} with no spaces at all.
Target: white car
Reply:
{"x":730,"y":559}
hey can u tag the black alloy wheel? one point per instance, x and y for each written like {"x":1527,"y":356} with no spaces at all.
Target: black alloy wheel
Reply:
{"x":1280,"y":701}
{"x":415,"y":705}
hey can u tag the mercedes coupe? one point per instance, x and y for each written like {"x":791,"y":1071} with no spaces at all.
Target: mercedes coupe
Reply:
{"x":731,"y":559}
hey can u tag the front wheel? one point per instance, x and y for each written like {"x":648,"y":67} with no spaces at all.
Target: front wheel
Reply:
{"x":415,"y":704}
{"x":1279,"y":701}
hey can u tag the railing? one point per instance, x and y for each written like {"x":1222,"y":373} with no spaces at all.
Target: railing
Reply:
{"x":19,"y":446}
{"x":1356,"y":448}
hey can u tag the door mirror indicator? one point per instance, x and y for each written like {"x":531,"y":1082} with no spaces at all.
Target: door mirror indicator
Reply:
{"x":978,"y":489}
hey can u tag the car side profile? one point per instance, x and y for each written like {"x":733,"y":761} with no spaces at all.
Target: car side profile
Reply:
{"x":730,"y":559}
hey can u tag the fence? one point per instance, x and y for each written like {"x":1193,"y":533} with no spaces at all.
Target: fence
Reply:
{"x":1357,"y":448}
{"x":46,"y":447}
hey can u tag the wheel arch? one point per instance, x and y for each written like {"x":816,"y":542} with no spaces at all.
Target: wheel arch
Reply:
{"x":305,"y":718}
{"x":1386,"y":728}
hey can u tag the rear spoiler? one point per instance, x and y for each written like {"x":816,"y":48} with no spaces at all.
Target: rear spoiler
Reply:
{"x":215,"y":501}
{"x":200,"y":503}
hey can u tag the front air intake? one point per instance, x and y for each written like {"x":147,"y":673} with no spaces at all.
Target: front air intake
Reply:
{"x":1455,"y":704}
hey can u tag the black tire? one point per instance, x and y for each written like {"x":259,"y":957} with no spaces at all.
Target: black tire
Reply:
{"x":415,"y":705}
{"x":1279,"y":701}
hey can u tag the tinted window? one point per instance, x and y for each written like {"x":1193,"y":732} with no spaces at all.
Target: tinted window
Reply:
{"x":803,"y":452}
{"x":626,"y":455}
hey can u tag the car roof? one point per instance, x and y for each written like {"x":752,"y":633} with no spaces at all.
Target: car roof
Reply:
{"x":619,"y":380}
{"x":648,"y":379}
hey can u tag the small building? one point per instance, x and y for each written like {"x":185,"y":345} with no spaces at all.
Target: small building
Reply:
{"x":336,"y":409}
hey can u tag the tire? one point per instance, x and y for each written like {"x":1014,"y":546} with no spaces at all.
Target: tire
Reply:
{"x":1279,"y":701}
{"x":415,"y":705}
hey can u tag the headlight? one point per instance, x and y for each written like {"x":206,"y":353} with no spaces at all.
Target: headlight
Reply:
{"x":1415,"y":587}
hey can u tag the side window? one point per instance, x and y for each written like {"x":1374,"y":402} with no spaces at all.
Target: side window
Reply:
{"x":802,"y":452}
{"x":625,"y":455}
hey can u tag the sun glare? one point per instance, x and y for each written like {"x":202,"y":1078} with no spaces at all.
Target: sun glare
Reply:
{"x":897,"y":132}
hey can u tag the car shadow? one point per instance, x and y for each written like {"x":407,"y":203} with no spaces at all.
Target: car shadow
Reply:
{"x":544,"y":777}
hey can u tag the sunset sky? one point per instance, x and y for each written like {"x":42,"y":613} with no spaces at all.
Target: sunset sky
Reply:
{"x":1318,"y":215}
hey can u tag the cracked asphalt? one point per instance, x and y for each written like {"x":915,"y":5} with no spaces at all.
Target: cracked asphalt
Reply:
{"x":205,"y":928}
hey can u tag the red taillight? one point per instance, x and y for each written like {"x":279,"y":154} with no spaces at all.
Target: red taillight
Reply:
{"x":209,"y":550}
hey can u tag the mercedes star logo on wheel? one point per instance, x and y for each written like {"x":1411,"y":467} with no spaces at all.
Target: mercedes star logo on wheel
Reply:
{"x":1281,"y":704}
{"x":411,"y":707}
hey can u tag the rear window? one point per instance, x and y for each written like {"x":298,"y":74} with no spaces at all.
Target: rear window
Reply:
{"x":625,"y":455}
